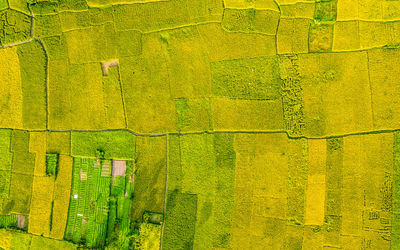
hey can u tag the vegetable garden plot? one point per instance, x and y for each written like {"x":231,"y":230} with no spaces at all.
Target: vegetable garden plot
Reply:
{"x":88,"y":212}
{"x":98,"y":202}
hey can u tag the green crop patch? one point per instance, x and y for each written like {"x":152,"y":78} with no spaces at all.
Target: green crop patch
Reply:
{"x":14,"y":27}
{"x":119,"y":218}
{"x":41,"y":7}
{"x":7,"y":221}
{"x":51,"y":164}
{"x":33,"y":75}
{"x":255,"y":78}
{"x":115,"y":144}
{"x":325,"y":10}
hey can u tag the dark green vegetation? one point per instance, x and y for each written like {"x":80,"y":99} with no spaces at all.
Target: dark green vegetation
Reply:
{"x":119,"y":233}
{"x":51,"y":164}
{"x":89,"y":206}
{"x":326,"y":10}
{"x":7,"y":221}
{"x":14,"y":26}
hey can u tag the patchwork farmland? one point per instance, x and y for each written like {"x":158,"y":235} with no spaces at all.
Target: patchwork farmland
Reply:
{"x":199,"y":124}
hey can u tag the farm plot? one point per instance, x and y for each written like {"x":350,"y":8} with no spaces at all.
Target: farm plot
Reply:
{"x":193,"y":114}
{"x":383,"y":90}
{"x":3,"y":4}
{"x":254,"y":78}
{"x":18,"y":240}
{"x":22,"y":170}
{"x":78,"y":89}
{"x":142,"y":78}
{"x":6,"y":163}
{"x":184,"y":51}
{"x":120,"y":216}
{"x":251,"y":20}
{"x":200,"y":191}
{"x":270,"y":186}
{"x":150,"y":170}
{"x":61,"y":197}
{"x":114,"y":144}
{"x":92,"y":44}
{"x":99,"y":203}
{"x":224,"y":45}
{"x":14,"y":26}
{"x":88,"y":209}
{"x":32,"y":60}
{"x":331,"y":105}
{"x":10,"y":89}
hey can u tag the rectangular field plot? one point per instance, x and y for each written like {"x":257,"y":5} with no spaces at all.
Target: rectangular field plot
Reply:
{"x":200,"y":191}
{"x":332,"y":106}
{"x":98,"y":202}
{"x":383,"y":75}
{"x":254,"y":78}
{"x":10,"y":89}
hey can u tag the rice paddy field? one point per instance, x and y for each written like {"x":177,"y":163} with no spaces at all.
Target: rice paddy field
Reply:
{"x":200,"y":124}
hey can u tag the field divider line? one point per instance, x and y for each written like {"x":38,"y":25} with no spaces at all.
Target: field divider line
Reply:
{"x":381,"y":131}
